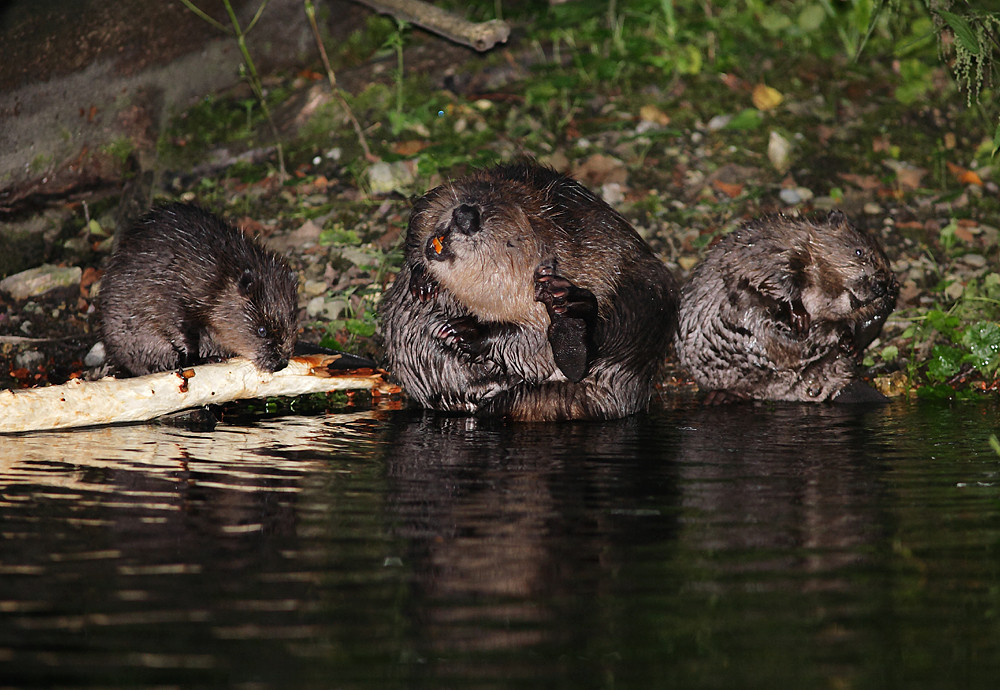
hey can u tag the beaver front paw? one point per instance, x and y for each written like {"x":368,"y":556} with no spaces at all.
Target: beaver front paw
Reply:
{"x":561,"y":297}
{"x":422,"y":286}
{"x":465,"y":333}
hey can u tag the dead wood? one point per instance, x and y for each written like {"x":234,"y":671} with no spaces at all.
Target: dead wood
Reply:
{"x":111,"y":401}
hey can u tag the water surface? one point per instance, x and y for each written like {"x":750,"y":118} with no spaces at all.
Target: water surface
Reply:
{"x":740,"y":546}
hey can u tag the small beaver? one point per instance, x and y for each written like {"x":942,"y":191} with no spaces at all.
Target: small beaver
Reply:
{"x":184,"y":286}
{"x":782,"y":309}
{"x":524,"y":295}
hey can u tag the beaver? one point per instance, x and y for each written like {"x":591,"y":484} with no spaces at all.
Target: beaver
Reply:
{"x":525,"y":296}
{"x":184,"y":286}
{"x":783,"y":308}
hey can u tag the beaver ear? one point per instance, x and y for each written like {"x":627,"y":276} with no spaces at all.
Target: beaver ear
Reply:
{"x":246,"y":281}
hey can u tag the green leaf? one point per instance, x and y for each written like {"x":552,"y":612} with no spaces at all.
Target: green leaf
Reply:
{"x":746,"y":120}
{"x":963,"y":32}
{"x":364,"y":329}
{"x":811,"y":18}
{"x":945,"y":362}
{"x":983,"y":341}
{"x":775,"y":22}
{"x":944,"y":323}
{"x":996,"y":140}
{"x":994,"y":444}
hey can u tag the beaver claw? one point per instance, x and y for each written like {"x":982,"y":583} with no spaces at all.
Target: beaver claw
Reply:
{"x":465,"y":333}
{"x":422,"y":286}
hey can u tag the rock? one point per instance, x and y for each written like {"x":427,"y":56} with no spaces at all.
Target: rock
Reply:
{"x":30,"y":359}
{"x":718,"y":122}
{"x":95,"y":357}
{"x":779,"y":151}
{"x":38,"y":281}
{"x":386,"y":178}
{"x":612,"y":193}
{"x":974,"y":260}
{"x":789,"y":196}
{"x":314,"y":288}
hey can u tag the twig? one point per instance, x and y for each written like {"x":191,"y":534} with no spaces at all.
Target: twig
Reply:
{"x":253,"y":79}
{"x":311,"y":14}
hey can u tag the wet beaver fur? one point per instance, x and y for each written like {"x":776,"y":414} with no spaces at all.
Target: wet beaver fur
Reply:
{"x":525,"y":296}
{"x":183,"y":286}
{"x":783,"y":308}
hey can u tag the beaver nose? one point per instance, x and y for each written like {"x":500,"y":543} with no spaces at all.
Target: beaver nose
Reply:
{"x":465,"y":218}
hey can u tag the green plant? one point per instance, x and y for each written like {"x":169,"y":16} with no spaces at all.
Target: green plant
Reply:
{"x":964,"y":339}
{"x":248,"y":69}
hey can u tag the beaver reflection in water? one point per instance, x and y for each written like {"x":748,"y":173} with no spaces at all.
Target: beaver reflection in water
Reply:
{"x":523,"y":295}
{"x":782,"y":309}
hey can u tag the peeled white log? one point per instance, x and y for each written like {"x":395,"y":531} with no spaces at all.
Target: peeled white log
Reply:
{"x":110,"y":401}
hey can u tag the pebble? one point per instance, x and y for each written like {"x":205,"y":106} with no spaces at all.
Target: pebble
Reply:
{"x":38,"y":281}
{"x":612,"y":193}
{"x":30,"y":359}
{"x":95,"y":357}
{"x":718,"y":122}
{"x":974,"y":260}
{"x":320,"y":307}
{"x":386,"y":178}
{"x":313,"y":288}
{"x":795,"y":196}
{"x":779,"y":151}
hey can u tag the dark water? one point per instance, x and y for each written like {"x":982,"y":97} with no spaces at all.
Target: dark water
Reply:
{"x":758,"y":547}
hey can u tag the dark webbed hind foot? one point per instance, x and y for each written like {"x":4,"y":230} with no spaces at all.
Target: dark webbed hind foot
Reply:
{"x":572,"y":315}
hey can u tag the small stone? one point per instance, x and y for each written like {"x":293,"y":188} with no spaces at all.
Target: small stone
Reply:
{"x":386,"y":178}
{"x":312,"y":288}
{"x":974,"y":260}
{"x":29,"y":359}
{"x":612,"y":193}
{"x":38,"y":281}
{"x":687,"y":262}
{"x":779,"y":151}
{"x":95,"y":357}
{"x":872,"y":209}
{"x":718,"y":122}
{"x":789,"y":196}
{"x":315,"y":306}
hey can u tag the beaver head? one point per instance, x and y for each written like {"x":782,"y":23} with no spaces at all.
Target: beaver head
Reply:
{"x":264,"y":326}
{"x":483,"y":247}
{"x":847,"y":278}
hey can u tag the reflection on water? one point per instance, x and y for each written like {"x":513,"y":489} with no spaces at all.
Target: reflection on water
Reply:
{"x":742,"y":546}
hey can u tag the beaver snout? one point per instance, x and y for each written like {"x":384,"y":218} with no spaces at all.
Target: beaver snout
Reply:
{"x":465,"y":219}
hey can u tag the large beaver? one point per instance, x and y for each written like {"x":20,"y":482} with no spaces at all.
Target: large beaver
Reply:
{"x":523,"y":295}
{"x":782,"y":309}
{"x":184,"y":286}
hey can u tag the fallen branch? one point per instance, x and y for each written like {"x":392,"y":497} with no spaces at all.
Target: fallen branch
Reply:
{"x":110,"y":401}
{"x":482,"y":36}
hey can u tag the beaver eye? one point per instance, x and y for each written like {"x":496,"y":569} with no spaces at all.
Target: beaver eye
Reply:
{"x":261,"y":331}
{"x":859,"y":252}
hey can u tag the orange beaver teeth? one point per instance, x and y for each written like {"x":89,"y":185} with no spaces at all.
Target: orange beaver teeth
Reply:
{"x":436,"y":243}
